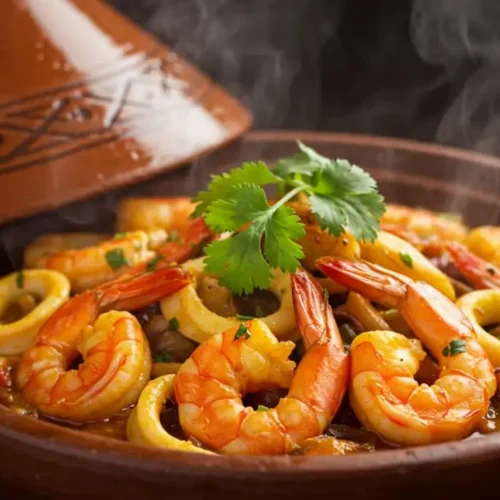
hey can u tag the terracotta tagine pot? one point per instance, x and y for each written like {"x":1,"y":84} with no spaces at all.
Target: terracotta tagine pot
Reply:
{"x":62,"y":463}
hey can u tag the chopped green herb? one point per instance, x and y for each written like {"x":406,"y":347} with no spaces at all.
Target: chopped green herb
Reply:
{"x":173,"y":323}
{"x":406,"y":259}
{"x":326,"y":295}
{"x":242,"y":317}
{"x":173,"y":236}
{"x":116,"y":259}
{"x":454,"y":347}
{"x":262,"y":408}
{"x":153,"y":263}
{"x":137,"y":245}
{"x":242,"y":330}
{"x":119,"y":236}
{"x":20,"y":279}
{"x":341,"y":196}
{"x":163,"y":358}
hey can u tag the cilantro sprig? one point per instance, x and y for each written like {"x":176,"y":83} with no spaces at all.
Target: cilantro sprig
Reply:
{"x":341,"y":197}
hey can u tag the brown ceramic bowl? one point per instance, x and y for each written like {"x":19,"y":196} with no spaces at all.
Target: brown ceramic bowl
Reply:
{"x":62,"y":463}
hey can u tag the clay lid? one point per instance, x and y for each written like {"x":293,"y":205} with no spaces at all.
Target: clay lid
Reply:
{"x":89,"y":102}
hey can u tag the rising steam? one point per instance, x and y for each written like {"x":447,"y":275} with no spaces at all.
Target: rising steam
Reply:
{"x":453,"y":35}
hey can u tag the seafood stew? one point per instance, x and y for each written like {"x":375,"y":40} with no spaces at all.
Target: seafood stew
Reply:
{"x":319,"y":321}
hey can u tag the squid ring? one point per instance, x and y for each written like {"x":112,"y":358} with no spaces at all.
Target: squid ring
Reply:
{"x":144,"y":426}
{"x":199,"y":323}
{"x":53,"y":286}
{"x":483,"y":307}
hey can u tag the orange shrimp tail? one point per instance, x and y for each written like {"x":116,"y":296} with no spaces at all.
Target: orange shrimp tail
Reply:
{"x":373,"y":282}
{"x":312,"y":310}
{"x":140,"y":291}
{"x":479,"y":272}
{"x":323,"y":374}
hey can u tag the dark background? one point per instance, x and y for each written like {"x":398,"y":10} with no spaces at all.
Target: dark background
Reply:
{"x":423,"y":69}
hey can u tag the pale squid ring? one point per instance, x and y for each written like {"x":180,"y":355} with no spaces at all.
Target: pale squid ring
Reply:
{"x":53,"y":286}
{"x":199,"y":323}
{"x":481,"y":308}
{"x":144,"y":426}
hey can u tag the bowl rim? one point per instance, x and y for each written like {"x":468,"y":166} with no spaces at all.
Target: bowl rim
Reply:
{"x":48,"y":437}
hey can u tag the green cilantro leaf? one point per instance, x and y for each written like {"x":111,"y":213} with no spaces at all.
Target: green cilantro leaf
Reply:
{"x":163,"y":358}
{"x":262,"y":408}
{"x":406,"y":259}
{"x":116,"y":259}
{"x":20,"y":279}
{"x":221,"y":185}
{"x":345,"y":197}
{"x":151,"y":266}
{"x":239,"y":261}
{"x":173,"y":324}
{"x":119,"y":236}
{"x":242,"y":330}
{"x":342,"y":197}
{"x":454,"y":347}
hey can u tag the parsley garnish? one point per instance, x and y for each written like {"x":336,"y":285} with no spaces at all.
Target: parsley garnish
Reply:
{"x":173,"y":323}
{"x":242,"y":330}
{"x":454,"y":347}
{"x":242,"y":317}
{"x":153,"y":263}
{"x":326,"y":294}
{"x":341,"y":196}
{"x":262,"y":408}
{"x":119,"y":236}
{"x":406,"y":258}
{"x":20,"y":279}
{"x":173,"y":236}
{"x":116,"y":258}
{"x":162,"y":358}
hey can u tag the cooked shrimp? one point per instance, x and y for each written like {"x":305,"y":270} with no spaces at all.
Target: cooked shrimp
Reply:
{"x":116,"y":359}
{"x":210,"y":384}
{"x":484,"y":241}
{"x":384,"y":394}
{"x":479,"y":272}
{"x":91,"y":266}
{"x":185,"y":245}
{"x":154,"y":213}
{"x":396,"y":254}
{"x":424,"y":229}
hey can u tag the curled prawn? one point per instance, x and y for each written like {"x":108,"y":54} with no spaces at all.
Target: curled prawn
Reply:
{"x":425,"y":230}
{"x":154,"y":213}
{"x":383,"y":392}
{"x":116,"y":358}
{"x":484,"y":241}
{"x":479,"y":272}
{"x":90,"y":266}
{"x":210,"y":384}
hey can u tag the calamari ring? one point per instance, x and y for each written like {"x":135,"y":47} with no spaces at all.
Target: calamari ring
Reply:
{"x":53,"y":286}
{"x":199,"y":323}
{"x":482,"y":308}
{"x":144,"y":426}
